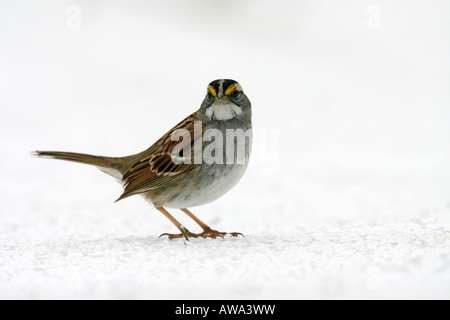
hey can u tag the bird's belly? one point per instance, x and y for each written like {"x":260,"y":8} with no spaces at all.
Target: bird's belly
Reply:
{"x":208,"y":186}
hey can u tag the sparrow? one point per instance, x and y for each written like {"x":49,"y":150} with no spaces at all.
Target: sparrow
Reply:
{"x":196,"y":162}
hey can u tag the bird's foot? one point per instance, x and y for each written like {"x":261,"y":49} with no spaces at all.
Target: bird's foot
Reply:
{"x":185,"y":233}
{"x":210,"y":233}
{"x":207,"y":233}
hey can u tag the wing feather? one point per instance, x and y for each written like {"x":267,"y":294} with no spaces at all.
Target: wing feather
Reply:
{"x":159,"y":168}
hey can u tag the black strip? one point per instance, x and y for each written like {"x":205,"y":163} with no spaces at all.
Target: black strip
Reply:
{"x":227,"y":83}
{"x":215,"y":84}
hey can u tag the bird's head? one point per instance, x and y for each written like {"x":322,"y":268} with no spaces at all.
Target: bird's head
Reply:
{"x":225,"y":100}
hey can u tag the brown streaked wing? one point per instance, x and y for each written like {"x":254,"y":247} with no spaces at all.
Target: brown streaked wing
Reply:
{"x":158,"y":169}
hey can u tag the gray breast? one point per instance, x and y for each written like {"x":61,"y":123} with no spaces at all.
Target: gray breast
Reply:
{"x":212,"y":180}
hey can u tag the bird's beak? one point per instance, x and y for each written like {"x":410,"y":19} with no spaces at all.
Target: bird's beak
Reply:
{"x":222,"y":100}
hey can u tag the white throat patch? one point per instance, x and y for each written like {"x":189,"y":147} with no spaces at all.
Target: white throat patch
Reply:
{"x":223,"y":112}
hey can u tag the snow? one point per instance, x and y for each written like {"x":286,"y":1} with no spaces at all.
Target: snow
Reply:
{"x":348,"y":191}
{"x":349,"y":260}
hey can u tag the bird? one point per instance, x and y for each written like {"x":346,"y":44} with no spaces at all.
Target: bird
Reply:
{"x":196,"y":162}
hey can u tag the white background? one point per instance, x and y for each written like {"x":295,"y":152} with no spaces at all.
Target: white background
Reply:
{"x":348,"y":193}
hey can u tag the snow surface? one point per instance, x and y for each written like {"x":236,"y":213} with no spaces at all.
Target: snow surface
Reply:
{"x":348,"y":192}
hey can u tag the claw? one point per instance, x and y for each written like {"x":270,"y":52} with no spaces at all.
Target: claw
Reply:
{"x":185,"y":233}
{"x":210,"y":233}
{"x":213,"y":234}
{"x":171,"y":236}
{"x":236,"y":234}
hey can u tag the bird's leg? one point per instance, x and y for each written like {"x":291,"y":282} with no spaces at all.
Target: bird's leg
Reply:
{"x":207,"y":231}
{"x":203,"y":225}
{"x":184,"y":232}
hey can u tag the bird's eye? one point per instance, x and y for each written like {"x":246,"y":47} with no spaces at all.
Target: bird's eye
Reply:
{"x":209,"y":95}
{"x":235,"y":94}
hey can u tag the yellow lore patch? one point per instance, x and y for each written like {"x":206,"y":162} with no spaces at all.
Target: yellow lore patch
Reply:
{"x":212,"y":90}
{"x":230,"y":89}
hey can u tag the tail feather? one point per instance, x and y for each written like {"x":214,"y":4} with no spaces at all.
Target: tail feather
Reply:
{"x":109,"y":165}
